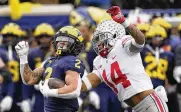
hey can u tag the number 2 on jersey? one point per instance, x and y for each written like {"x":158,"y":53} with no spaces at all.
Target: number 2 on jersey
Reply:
{"x":48,"y":71}
{"x":120,"y":78}
{"x":77,"y":64}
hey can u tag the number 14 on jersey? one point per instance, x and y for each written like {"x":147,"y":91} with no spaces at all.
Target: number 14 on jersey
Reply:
{"x":115,"y":80}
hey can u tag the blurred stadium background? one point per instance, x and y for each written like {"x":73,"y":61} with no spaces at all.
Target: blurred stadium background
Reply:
{"x":22,"y":20}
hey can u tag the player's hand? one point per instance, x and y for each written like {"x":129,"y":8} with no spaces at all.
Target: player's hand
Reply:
{"x":25,"y":105}
{"x":116,"y":14}
{"x":46,"y":91}
{"x":177,"y":74}
{"x":22,"y":49}
{"x":6,"y":103}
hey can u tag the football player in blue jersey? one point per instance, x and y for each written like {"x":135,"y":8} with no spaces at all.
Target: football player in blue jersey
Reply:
{"x":43,"y":34}
{"x":65,"y":66}
{"x":156,"y":60}
{"x":5,"y":80}
{"x":11,"y":35}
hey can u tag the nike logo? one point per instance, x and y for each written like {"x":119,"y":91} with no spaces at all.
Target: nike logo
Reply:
{"x":113,"y":57}
{"x":148,"y":107}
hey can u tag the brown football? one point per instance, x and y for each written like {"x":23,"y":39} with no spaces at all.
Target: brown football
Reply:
{"x":55,"y":83}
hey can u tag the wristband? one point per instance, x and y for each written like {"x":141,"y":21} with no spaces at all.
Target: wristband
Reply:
{"x":87,"y":83}
{"x":125,"y":23}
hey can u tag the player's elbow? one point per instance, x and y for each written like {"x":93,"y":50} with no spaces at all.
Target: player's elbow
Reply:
{"x":25,"y":81}
{"x":29,"y":82}
{"x":140,"y":41}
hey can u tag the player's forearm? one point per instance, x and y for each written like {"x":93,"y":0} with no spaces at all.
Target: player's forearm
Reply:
{"x":29,"y":77}
{"x":66,"y":89}
{"x":90,"y":81}
{"x":70,"y":91}
{"x":136,"y":34}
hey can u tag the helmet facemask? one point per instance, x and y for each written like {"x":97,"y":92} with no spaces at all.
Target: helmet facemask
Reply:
{"x":64,"y":44}
{"x":68,"y":41}
{"x":103,"y":43}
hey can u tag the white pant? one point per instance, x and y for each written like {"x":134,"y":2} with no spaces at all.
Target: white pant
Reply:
{"x":152,"y":103}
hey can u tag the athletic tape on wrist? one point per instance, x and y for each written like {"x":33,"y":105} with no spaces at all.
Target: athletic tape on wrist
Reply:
{"x":126,"y":23}
{"x":23,"y":59}
{"x":87,"y":83}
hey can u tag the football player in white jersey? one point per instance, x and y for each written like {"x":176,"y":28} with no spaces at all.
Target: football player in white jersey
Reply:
{"x":119,"y":64}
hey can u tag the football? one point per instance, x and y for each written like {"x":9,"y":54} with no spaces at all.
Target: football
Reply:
{"x":55,"y":83}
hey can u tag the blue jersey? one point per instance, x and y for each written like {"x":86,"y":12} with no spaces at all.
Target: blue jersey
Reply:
{"x":156,"y":66}
{"x":12,"y":89}
{"x":7,"y":88}
{"x":56,"y":68}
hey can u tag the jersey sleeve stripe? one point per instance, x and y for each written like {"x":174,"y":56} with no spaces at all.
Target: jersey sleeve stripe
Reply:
{"x":125,"y":40}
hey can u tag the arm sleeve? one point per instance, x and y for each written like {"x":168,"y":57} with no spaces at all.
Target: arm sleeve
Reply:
{"x":130,"y":46}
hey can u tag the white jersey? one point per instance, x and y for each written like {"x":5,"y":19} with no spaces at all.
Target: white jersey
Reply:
{"x":122,"y":70}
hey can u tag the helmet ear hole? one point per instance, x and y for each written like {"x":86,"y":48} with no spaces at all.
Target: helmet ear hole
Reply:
{"x":114,"y":36}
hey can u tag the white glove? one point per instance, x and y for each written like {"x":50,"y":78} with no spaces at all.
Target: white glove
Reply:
{"x":6,"y":103}
{"x":25,"y":106}
{"x":160,"y":91}
{"x":22,"y":49}
{"x":94,"y":99}
{"x":46,"y":91}
{"x":177,"y":73}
